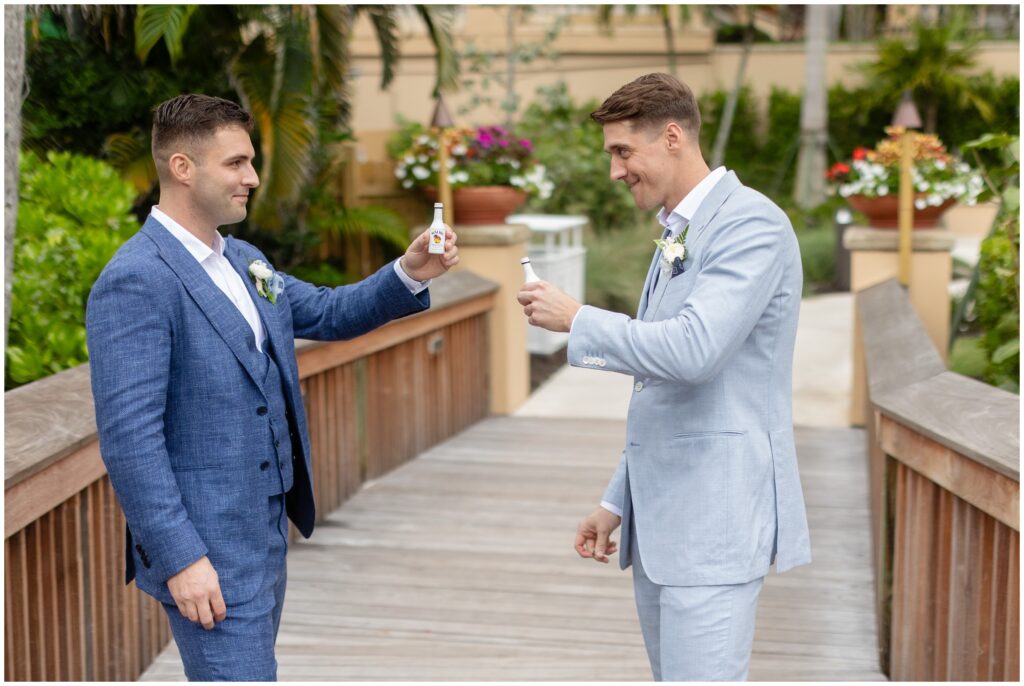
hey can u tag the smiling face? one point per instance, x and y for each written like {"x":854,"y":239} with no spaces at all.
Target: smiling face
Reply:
{"x":223,"y":176}
{"x":644,"y":159}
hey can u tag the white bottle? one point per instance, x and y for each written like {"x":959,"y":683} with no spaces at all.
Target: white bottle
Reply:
{"x":435,"y":244}
{"x":528,"y":272}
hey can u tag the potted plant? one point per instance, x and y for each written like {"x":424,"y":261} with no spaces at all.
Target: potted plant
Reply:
{"x":870,"y":182}
{"x":491,"y":170}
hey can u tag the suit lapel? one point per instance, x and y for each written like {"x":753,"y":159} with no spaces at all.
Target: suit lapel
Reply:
{"x":225,"y":318}
{"x":641,"y":310}
{"x":697,"y":226}
{"x":266,"y":309}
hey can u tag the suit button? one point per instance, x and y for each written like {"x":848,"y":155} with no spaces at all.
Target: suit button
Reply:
{"x":639,"y":386}
{"x":264,"y":466}
{"x":261,"y":410}
{"x":277,"y":444}
{"x":146,"y":564}
{"x":138,"y":548}
{"x":601,"y":363}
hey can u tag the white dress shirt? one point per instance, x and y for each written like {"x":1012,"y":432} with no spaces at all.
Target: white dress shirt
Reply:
{"x":230,"y":282}
{"x":675,"y":221}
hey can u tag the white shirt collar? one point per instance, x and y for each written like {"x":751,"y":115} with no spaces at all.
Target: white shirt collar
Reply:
{"x":689,"y":205}
{"x":199,"y":250}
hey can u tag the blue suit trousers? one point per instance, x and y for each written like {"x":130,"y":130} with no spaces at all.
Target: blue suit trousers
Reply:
{"x":241,"y":648}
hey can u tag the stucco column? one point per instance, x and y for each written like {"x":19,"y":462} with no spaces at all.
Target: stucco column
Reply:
{"x":493,"y":251}
{"x":874,"y":258}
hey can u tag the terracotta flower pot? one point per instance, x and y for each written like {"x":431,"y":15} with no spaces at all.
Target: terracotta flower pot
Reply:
{"x":483,"y":204}
{"x":883,"y":212}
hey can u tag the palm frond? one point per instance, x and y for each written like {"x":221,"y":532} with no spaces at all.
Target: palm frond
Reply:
{"x":169,"y":22}
{"x":438,"y":20}
{"x":380,"y":223}
{"x":129,"y":154}
{"x":386,"y":26}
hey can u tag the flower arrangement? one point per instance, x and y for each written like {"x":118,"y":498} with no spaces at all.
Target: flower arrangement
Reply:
{"x":937,"y":175}
{"x":485,"y":156}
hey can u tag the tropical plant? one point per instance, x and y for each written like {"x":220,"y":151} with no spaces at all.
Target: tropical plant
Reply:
{"x":937,"y":175}
{"x":74,"y":214}
{"x":932,"y":67}
{"x":992,"y":300}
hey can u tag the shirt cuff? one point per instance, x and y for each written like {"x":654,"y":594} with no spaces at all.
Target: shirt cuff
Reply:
{"x":617,"y":511}
{"x":415,"y":287}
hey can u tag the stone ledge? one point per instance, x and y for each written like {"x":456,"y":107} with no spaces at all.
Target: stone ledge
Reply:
{"x":863,"y":238}
{"x":484,"y":235}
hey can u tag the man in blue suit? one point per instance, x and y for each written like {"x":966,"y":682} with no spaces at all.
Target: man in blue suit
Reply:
{"x":707,"y":490}
{"x":196,"y":386}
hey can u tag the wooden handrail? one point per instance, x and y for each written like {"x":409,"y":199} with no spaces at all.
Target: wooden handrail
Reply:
{"x":945,"y":490}
{"x":53,"y":420}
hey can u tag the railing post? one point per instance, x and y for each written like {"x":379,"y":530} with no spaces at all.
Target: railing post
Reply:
{"x":874,"y":258}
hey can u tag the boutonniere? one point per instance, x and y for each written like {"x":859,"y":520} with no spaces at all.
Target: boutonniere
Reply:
{"x":673,"y":253}
{"x":269,"y":284}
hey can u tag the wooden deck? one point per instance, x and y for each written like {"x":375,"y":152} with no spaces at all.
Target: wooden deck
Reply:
{"x":459,"y":566}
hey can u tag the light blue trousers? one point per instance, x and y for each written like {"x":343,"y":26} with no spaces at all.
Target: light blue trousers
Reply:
{"x":696,"y":633}
{"x":241,"y":648}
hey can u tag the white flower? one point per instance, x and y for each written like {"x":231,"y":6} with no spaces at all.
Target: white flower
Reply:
{"x":459,"y":149}
{"x":422,"y":159}
{"x":435,"y":165}
{"x":423,"y":140}
{"x":260,"y":270}
{"x":407,"y":183}
{"x":883,"y":190}
{"x":420,"y":172}
{"x":920,"y":203}
{"x":399,"y":171}
{"x":673,"y":251}
{"x":409,"y":159}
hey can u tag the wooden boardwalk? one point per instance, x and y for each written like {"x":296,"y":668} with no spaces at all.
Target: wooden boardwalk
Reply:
{"x":459,"y":566}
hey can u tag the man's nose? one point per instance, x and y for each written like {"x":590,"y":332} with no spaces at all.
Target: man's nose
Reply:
{"x":252,"y":179}
{"x":618,"y":170}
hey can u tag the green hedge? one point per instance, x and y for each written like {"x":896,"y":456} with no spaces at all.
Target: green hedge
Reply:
{"x":73,"y":214}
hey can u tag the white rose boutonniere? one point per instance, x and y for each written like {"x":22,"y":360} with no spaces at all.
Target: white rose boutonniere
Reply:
{"x":268,"y":283}
{"x":673,"y":253}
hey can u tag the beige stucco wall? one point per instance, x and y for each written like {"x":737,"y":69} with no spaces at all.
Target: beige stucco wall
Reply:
{"x":592,"y":63}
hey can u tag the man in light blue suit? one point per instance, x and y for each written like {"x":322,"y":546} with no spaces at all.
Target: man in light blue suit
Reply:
{"x":707,"y":490}
{"x":196,"y":386}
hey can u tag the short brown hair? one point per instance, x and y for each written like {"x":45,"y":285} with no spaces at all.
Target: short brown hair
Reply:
{"x":652,"y":100}
{"x":188,"y":119}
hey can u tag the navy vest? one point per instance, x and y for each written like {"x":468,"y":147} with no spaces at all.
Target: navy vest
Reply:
{"x":274,"y":453}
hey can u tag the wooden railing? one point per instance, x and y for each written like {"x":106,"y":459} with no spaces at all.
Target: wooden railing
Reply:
{"x":372,"y":403}
{"x":945,"y":486}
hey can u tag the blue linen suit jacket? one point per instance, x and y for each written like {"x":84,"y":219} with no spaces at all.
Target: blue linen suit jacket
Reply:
{"x":709,"y":475}
{"x":177,"y":400}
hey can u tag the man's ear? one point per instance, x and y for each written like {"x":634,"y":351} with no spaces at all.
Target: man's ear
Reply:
{"x":181,"y":167}
{"x":675,"y":137}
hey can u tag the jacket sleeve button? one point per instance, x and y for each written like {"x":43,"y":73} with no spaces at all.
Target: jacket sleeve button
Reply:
{"x":261,"y":410}
{"x":264,"y":466}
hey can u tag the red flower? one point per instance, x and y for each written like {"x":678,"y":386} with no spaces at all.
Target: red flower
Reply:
{"x":860,"y":153}
{"x":839,"y":169}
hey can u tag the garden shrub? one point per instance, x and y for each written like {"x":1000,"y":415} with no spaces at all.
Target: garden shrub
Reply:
{"x":73,"y":214}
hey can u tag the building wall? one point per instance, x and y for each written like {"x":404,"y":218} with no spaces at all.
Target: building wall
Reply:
{"x":591,"y":62}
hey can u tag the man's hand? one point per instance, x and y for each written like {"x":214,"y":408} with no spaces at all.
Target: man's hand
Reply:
{"x":593,"y":532}
{"x":196,"y":591}
{"x":547,"y":306}
{"x":421,"y":265}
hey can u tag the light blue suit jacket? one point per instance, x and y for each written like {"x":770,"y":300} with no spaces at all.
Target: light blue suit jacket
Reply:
{"x":709,"y":473}
{"x":180,"y":406}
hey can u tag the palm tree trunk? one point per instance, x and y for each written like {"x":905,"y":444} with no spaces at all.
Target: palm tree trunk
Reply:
{"x":14,"y":79}
{"x":670,"y":40}
{"x":810,"y":170}
{"x":729,"y":112}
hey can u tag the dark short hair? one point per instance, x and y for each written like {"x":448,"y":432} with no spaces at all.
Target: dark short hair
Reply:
{"x":652,"y":100}
{"x":185,"y":120}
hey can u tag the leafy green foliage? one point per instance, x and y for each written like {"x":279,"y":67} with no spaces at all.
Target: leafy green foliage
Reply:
{"x":73,"y":214}
{"x":571,"y":148}
{"x":991,"y":305}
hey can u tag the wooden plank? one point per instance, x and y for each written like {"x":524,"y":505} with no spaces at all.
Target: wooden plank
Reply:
{"x":415,"y":577}
{"x":990,"y":491}
{"x":58,"y":481}
{"x":315,"y":359}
